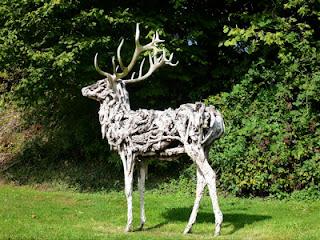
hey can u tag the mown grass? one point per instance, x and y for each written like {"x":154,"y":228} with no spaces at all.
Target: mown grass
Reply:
{"x":27,"y":213}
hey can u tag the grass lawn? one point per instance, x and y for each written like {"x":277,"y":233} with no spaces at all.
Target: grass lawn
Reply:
{"x":27,"y":213}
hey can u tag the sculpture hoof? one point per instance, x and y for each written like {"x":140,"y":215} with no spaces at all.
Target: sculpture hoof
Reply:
{"x":141,"y":227}
{"x":128,"y":229}
{"x":187,"y":230}
{"x":217,"y":231}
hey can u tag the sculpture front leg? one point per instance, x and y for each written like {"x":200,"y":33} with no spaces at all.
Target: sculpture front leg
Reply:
{"x":201,"y":183}
{"x":128,"y":192}
{"x":141,"y":183}
{"x":128,"y":161}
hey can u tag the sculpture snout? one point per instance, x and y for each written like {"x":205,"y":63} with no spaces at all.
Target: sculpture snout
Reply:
{"x":84,"y":92}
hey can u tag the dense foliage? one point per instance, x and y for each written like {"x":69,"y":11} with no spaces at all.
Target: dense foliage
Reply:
{"x":47,"y":50}
{"x":272,"y":143}
{"x":258,"y":62}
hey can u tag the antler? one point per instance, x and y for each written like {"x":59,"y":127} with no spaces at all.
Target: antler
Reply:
{"x":155,"y":61}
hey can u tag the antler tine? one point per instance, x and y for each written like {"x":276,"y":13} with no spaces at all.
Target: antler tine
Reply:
{"x":155,"y":58}
{"x":163,"y":55}
{"x":137,"y":51}
{"x":168,"y":61}
{"x":150,"y":60}
{"x":108,"y":75}
{"x":137,"y":35}
{"x":141,"y":67}
{"x":132,"y":76}
{"x":158,"y":40}
{"x":153,"y":44}
{"x":119,"y":55}
{"x":172,"y":64}
{"x":114,"y":64}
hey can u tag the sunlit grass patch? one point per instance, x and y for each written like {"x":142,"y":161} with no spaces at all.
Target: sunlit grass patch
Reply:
{"x":27,"y":213}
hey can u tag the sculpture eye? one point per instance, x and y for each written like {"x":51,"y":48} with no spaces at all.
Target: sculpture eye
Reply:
{"x":109,"y":98}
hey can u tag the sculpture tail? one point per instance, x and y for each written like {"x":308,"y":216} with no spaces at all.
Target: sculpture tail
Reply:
{"x":215,"y":127}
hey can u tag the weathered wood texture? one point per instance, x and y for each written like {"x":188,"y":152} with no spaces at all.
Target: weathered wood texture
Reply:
{"x":137,"y":135}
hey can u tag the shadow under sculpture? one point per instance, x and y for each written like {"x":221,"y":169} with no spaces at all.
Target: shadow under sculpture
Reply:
{"x":141,"y":134}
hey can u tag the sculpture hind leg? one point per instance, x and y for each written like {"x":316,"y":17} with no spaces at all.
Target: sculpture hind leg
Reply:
{"x":199,"y":156}
{"x":201,"y":183}
{"x":210,"y":177}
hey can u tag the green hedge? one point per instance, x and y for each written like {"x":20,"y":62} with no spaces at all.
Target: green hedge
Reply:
{"x":256,"y":61}
{"x":272,"y":142}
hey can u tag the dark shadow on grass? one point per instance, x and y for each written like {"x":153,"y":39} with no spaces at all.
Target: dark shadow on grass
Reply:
{"x":236,"y":220}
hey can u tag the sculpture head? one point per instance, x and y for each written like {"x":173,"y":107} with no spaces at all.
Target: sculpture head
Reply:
{"x":97,"y":91}
{"x":113,"y":85}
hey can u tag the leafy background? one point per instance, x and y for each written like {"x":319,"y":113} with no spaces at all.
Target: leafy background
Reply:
{"x":256,"y":61}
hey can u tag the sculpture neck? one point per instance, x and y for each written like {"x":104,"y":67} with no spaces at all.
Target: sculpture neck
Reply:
{"x":115,"y":110}
{"x":122,"y":96}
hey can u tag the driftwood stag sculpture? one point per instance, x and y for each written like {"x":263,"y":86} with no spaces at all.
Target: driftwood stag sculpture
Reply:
{"x":141,"y":134}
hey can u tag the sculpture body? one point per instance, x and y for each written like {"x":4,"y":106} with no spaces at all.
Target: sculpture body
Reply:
{"x":137,"y":135}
